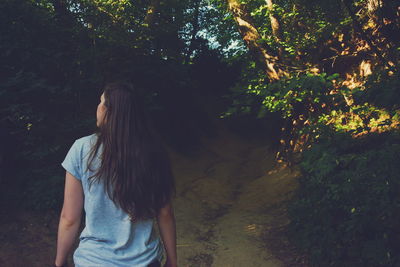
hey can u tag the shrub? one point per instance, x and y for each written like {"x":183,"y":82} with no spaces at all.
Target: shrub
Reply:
{"x":347,"y":210}
{"x":382,"y":89}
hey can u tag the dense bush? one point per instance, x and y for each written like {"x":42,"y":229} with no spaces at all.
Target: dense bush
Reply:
{"x":382,"y":89}
{"x":347,"y":211}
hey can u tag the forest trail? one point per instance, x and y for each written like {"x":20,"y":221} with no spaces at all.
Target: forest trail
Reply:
{"x":229,"y":208}
{"x":230,"y":204}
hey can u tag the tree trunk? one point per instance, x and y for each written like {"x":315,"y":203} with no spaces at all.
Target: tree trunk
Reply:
{"x":262,"y":52}
{"x":275,"y":26}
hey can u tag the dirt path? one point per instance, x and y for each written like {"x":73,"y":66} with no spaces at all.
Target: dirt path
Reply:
{"x":230,"y":204}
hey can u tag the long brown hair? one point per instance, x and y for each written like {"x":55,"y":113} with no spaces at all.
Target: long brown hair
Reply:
{"x":135,"y":166}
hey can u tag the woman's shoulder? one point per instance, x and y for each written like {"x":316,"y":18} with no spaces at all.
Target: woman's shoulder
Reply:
{"x":87,"y":139}
{"x":84,"y":143}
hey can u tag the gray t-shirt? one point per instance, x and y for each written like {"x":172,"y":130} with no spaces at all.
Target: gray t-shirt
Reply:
{"x":109,"y":237}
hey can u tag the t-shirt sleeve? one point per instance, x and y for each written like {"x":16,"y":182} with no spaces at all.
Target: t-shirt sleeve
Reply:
{"x":72,"y":160}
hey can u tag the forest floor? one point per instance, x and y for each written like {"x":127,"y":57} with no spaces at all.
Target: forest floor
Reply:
{"x":231,"y":204}
{"x":230,"y":209}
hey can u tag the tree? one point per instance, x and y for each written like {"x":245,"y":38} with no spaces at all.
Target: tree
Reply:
{"x":263,"y":54}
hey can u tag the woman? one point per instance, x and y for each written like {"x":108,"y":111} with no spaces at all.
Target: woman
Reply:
{"x":122,"y":177}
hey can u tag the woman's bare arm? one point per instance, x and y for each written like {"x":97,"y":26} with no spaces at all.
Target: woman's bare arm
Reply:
{"x":166,"y":224}
{"x":70,"y":218}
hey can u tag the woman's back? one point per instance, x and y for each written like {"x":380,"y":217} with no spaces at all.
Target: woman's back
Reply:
{"x":109,"y":238}
{"x":121,"y":176}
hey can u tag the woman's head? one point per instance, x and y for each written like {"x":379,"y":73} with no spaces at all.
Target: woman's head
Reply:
{"x":135,"y":166}
{"x":119,"y":102}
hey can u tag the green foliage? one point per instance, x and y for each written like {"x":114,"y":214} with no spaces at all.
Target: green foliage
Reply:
{"x":41,"y":76}
{"x":375,"y":107}
{"x":305,"y":97}
{"x":348,"y":205}
{"x":303,"y":94}
{"x":381,"y":89}
{"x":305,"y":26}
{"x":347,"y":211}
